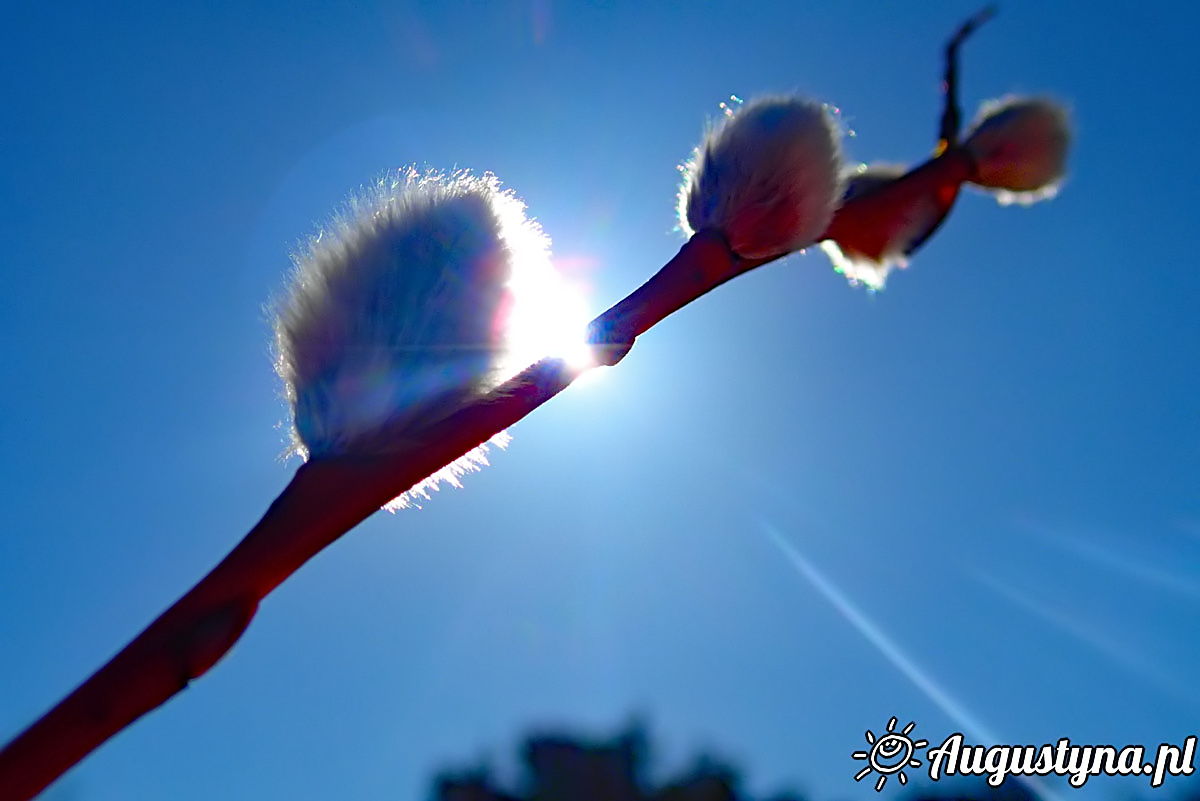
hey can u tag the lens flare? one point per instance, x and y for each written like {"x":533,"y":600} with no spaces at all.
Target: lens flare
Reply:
{"x":548,"y":318}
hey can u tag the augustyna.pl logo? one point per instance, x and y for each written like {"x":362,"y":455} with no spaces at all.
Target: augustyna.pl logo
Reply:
{"x":894,"y":751}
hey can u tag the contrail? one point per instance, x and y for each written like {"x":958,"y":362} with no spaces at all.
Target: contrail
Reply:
{"x":1120,"y":654}
{"x":893,"y":653}
{"x":1117,"y":562}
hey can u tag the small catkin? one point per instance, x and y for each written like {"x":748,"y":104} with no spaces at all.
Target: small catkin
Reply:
{"x":767,"y":177}
{"x":872,"y":270}
{"x":1020,"y":148}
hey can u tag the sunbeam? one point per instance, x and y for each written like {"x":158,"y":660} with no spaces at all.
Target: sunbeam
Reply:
{"x":950,"y":706}
{"x":1117,"y":562}
{"x":1118,"y":653}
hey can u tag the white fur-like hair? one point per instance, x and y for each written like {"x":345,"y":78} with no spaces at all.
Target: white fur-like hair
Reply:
{"x":472,"y":462}
{"x":1020,"y":148}
{"x":859,"y":268}
{"x":394,"y":316}
{"x":766,"y":177}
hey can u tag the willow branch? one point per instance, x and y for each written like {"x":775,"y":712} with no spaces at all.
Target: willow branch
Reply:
{"x":326,"y":498}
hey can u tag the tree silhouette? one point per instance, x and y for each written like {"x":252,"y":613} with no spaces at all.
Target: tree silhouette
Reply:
{"x":563,"y":767}
{"x":558,"y":767}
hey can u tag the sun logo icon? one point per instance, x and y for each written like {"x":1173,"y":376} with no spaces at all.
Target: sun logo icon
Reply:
{"x":891,"y":753}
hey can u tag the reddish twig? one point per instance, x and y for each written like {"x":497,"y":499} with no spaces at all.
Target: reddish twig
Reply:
{"x":327,"y":497}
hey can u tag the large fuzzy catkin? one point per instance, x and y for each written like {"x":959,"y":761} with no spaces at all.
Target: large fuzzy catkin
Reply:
{"x":767,"y":176}
{"x":396,"y":312}
{"x":1020,"y":148}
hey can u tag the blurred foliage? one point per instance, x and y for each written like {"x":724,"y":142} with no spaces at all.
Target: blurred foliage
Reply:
{"x":558,"y":767}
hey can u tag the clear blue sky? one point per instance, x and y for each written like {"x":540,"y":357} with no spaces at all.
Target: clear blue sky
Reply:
{"x":996,"y":460}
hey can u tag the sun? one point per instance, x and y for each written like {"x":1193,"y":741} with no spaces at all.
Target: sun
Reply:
{"x":549,"y":318}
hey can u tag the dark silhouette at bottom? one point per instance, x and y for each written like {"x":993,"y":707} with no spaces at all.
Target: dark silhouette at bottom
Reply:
{"x":561,"y":767}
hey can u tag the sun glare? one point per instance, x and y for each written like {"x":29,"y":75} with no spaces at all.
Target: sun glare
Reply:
{"x":549,"y":315}
{"x":549,"y":318}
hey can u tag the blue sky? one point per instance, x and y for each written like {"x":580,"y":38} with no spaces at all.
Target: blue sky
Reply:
{"x":994,"y":462}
